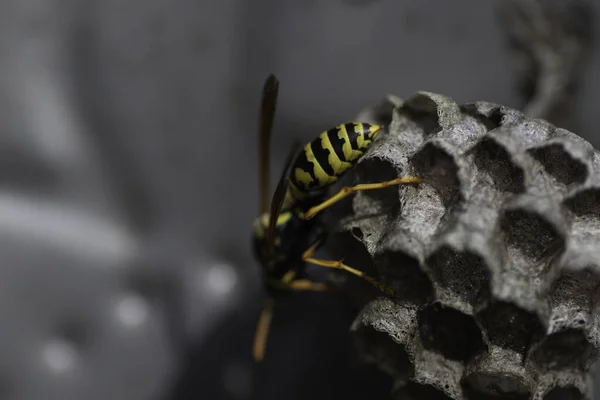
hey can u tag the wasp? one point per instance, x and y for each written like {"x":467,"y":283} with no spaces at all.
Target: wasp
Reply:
{"x":286,"y":235}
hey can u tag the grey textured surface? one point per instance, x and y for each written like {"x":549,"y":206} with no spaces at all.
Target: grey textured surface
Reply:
{"x":493,"y":259}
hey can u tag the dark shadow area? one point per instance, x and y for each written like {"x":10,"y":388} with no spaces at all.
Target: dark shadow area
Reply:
{"x":309,"y":355}
{"x":416,"y":391}
{"x":556,"y":350}
{"x":381,"y":349}
{"x":489,"y":386}
{"x":566,"y":393}
{"x":509,"y":326}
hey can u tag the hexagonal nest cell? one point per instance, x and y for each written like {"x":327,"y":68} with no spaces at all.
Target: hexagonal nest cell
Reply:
{"x":494,"y":258}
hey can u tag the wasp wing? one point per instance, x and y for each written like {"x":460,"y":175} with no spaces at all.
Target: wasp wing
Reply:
{"x":279,"y":198}
{"x":268,"y":106}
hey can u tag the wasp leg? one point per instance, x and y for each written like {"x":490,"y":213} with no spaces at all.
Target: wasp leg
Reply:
{"x":307,"y":256}
{"x":288,"y":277}
{"x":290,"y":282}
{"x":300,"y":285}
{"x":262,"y":330}
{"x":348,"y":190}
{"x":306,"y":284}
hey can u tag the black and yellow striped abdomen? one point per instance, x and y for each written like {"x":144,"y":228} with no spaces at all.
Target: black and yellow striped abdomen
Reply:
{"x":325,"y":159}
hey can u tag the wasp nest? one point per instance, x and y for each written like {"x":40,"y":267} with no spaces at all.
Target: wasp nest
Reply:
{"x":494,"y":259}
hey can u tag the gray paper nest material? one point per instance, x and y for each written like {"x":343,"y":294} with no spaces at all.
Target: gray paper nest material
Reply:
{"x":495,"y":258}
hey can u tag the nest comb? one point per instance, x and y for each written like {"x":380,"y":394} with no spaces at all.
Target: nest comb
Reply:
{"x":494,"y":259}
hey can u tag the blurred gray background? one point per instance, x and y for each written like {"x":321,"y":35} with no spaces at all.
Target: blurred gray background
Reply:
{"x":128,"y":164}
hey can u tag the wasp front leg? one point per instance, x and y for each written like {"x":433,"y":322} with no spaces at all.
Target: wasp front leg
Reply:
{"x":348,"y":190}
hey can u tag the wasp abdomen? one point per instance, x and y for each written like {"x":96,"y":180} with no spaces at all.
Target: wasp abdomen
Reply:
{"x":325,"y":159}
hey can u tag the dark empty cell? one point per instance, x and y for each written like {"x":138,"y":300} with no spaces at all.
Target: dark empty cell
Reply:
{"x":560,"y":164}
{"x":381,"y":349}
{"x":383,"y":114}
{"x":417,"y":391}
{"x":496,"y":115}
{"x":438,"y":169}
{"x":462,"y":272}
{"x":486,"y":386}
{"x":585,"y":202}
{"x":568,"y":348}
{"x":564,"y":393}
{"x":595,"y":298}
{"x":423,"y":111}
{"x":450,"y":332}
{"x":578,"y":285}
{"x":357,"y":233}
{"x":492,"y":158}
{"x":509,"y":326}
{"x":491,"y":121}
{"x":405,"y":276}
{"x":531,"y":233}
{"x":375,"y":170}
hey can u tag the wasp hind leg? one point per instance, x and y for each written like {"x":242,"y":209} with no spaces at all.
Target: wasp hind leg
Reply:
{"x":348,"y":190}
{"x":262,"y":330}
{"x":264,"y":321}
{"x":307,"y":256}
{"x":308,"y":285}
{"x":300,"y":285}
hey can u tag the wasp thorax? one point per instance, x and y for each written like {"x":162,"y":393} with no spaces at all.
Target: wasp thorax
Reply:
{"x":291,"y":236}
{"x":261,"y":224}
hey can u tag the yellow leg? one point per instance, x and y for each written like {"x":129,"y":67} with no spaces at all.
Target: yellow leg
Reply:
{"x":348,"y":190}
{"x":299,"y":285}
{"x":262,"y":330}
{"x":305,"y":284}
{"x":308,"y":257}
{"x":288,"y":277}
